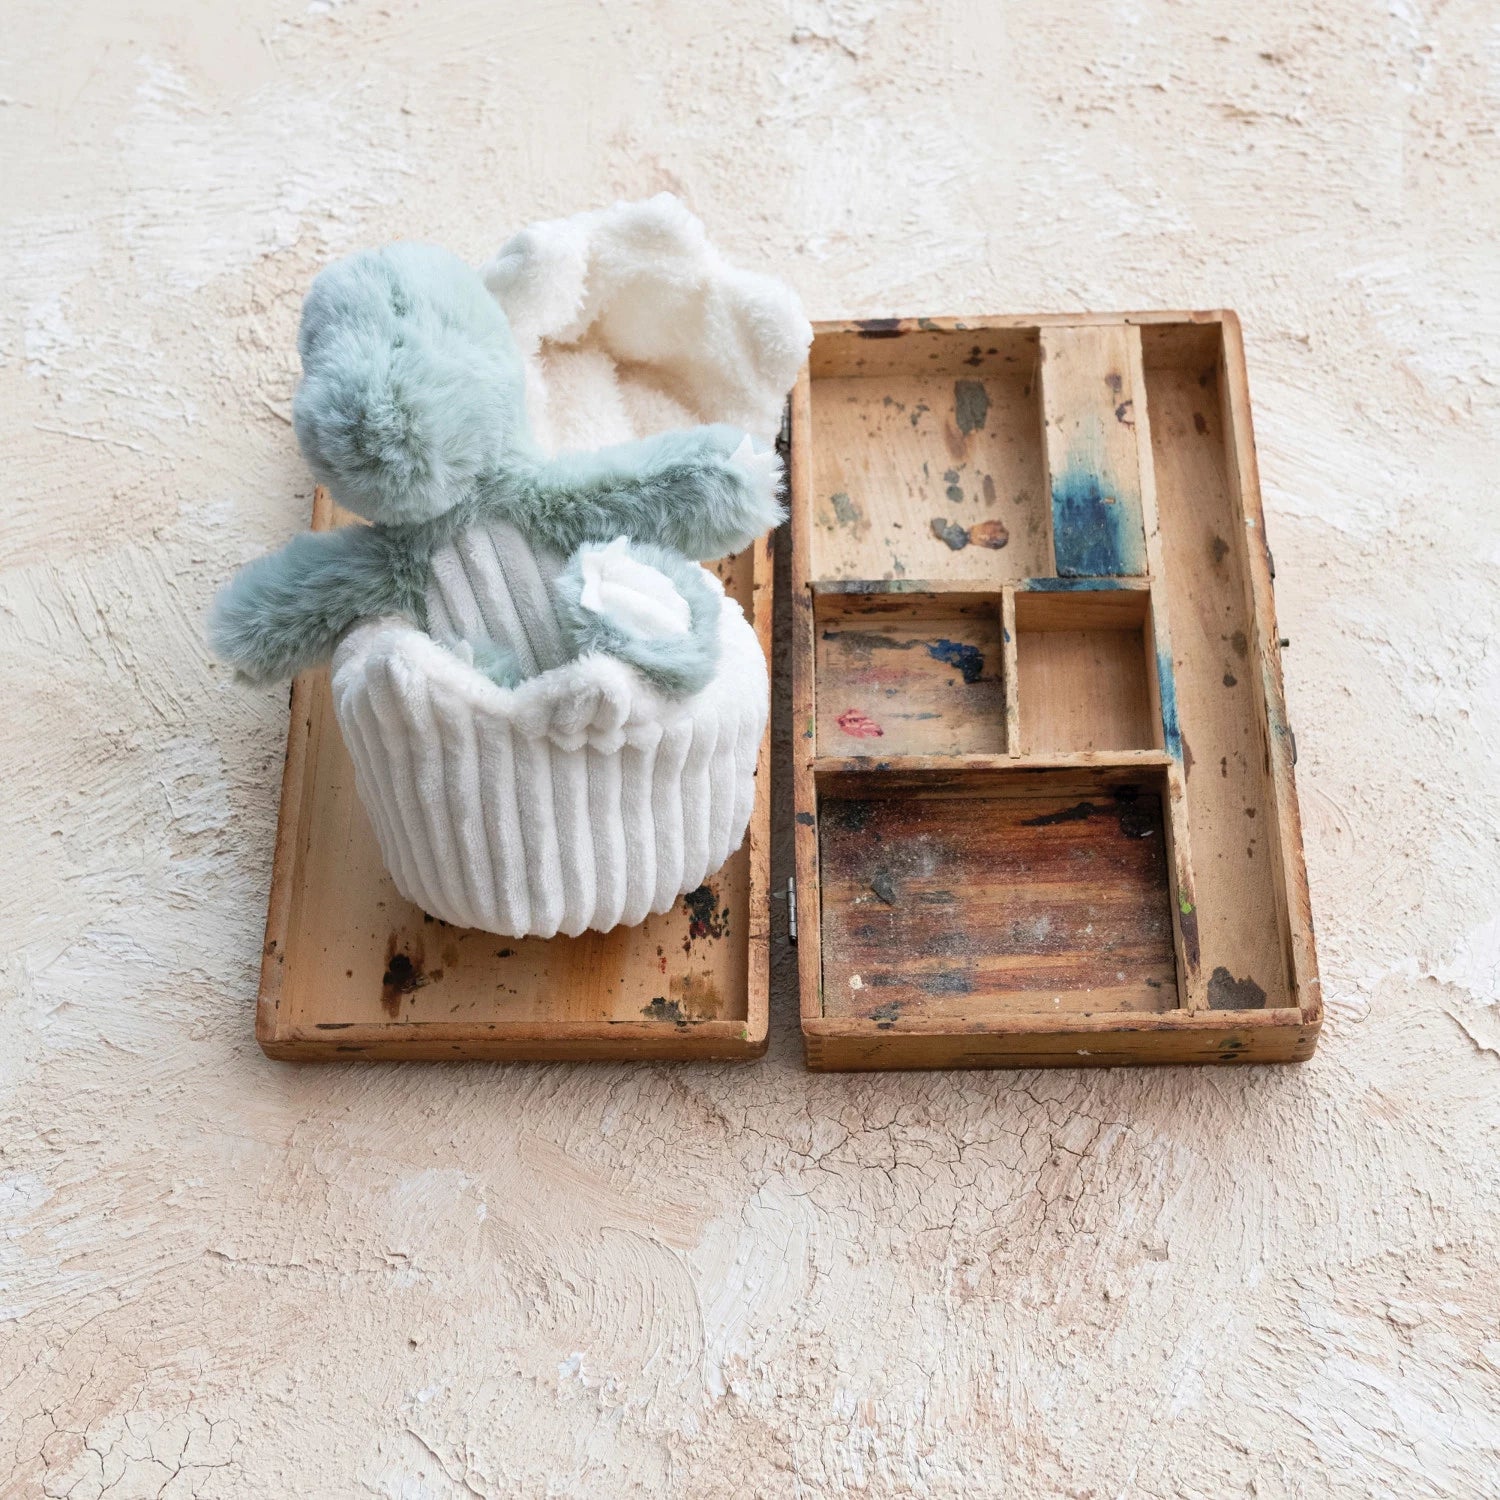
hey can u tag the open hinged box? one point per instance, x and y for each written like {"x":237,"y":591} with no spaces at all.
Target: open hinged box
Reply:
{"x":1043,"y":779}
{"x":350,"y":969}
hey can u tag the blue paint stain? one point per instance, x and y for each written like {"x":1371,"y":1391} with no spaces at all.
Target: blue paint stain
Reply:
{"x":1068,"y":585}
{"x":1167,"y":684}
{"x":968,"y":659}
{"x":1097,"y":533}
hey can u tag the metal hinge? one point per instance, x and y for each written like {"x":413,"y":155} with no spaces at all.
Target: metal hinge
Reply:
{"x":791,"y":907}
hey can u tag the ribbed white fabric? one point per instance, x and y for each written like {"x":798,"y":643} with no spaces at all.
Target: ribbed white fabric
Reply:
{"x":489,"y":583}
{"x":583,"y":798}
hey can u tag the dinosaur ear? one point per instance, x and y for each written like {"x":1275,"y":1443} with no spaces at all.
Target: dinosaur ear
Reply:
{"x":412,"y":386}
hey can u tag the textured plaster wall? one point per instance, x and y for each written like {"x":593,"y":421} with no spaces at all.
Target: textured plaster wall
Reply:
{"x":224,"y":1277}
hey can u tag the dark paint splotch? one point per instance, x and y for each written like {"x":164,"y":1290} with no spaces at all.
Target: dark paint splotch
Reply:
{"x":403,"y":976}
{"x":706,"y":919}
{"x":971,"y":405}
{"x":862,"y":644}
{"x":845,"y":511}
{"x":946,"y":982}
{"x":969,"y":659}
{"x":1139,"y":818}
{"x":846,"y":815}
{"x":950,"y":532}
{"x":1079,"y":812}
{"x":1225,"y":992}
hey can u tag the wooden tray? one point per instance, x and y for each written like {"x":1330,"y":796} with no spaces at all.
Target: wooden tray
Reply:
{"x":351,"y":970}
{"x":1044,"y":794}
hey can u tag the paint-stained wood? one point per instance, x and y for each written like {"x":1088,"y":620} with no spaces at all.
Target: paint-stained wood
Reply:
{"x":1161,"y":681}
{"x":926,"y":680}
{"x":1047,"y":895}
{"x":1082,"y":690}
{"x":1093,"y":464}
{"x":1220,"y":652}
{"x":1131,"y":618}
{"x":929,"y":475}
{"x":804,"y":697}
{"x":350,"y":970}
{"x":1294,"y":902}
{"x":1063,"y":1041}
{"x":967,"y":775}
{"x":1011,"y":674}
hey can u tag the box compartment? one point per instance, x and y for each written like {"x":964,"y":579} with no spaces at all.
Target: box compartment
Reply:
{"x":1084,"y":669}
{"x":929,"y":459}
{"x":1237,"y":750}
{"x":911,"y":675}
{"x":1035,"y":893}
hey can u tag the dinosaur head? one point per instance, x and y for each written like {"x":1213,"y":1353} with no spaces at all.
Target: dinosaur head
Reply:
{"x":412,"y":386}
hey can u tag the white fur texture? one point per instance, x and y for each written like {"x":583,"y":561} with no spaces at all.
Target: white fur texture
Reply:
{"x":640,"y":597}
{"x":639,"y":285}
{"x":582,"y":798}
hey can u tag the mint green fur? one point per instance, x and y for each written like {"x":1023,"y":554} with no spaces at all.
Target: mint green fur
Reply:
{"x":412,"y":412}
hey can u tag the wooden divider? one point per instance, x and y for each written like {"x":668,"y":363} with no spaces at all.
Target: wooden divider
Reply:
{"x":1091,"y":405}
{"x":1101,"y":478}
{"x":1012,"y":671}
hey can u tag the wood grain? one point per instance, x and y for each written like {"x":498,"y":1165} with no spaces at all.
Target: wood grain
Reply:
{"x":1089,"y":402}
{"x":1294,"y":901}
{"x":1081,"y":668}
{"x":1048,"y":894}
{"x":1063,"y":1041}
{"x":926,"y":679}
{"x":1161,"y":679}
{"x":1241,"y":926}
{"x":929,"y":476}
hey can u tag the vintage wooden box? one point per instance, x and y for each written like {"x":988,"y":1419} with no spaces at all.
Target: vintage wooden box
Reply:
{"x":1045,"y":809}
{"x":351,"y":970}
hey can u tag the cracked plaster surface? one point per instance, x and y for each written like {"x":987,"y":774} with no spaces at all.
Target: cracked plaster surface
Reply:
{"x":223,"y":1277}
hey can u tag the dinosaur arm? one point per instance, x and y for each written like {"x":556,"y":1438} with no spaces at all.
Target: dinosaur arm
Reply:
{"x":704,"y":492}
{"x":285,"y":612}
{"x":647,"y":606}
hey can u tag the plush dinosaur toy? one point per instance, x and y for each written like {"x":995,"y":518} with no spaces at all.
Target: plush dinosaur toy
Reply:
{"x":411,"y":411}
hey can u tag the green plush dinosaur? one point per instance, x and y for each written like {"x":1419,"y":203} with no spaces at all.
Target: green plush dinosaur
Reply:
{"x":412,"y":412}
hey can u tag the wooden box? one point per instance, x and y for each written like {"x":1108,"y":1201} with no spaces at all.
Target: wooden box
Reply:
{"x":1045,"y":809}
{"x":351,"y":970}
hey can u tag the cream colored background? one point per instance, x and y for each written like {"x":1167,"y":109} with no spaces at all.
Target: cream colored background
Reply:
{"x":223,"y":1277}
